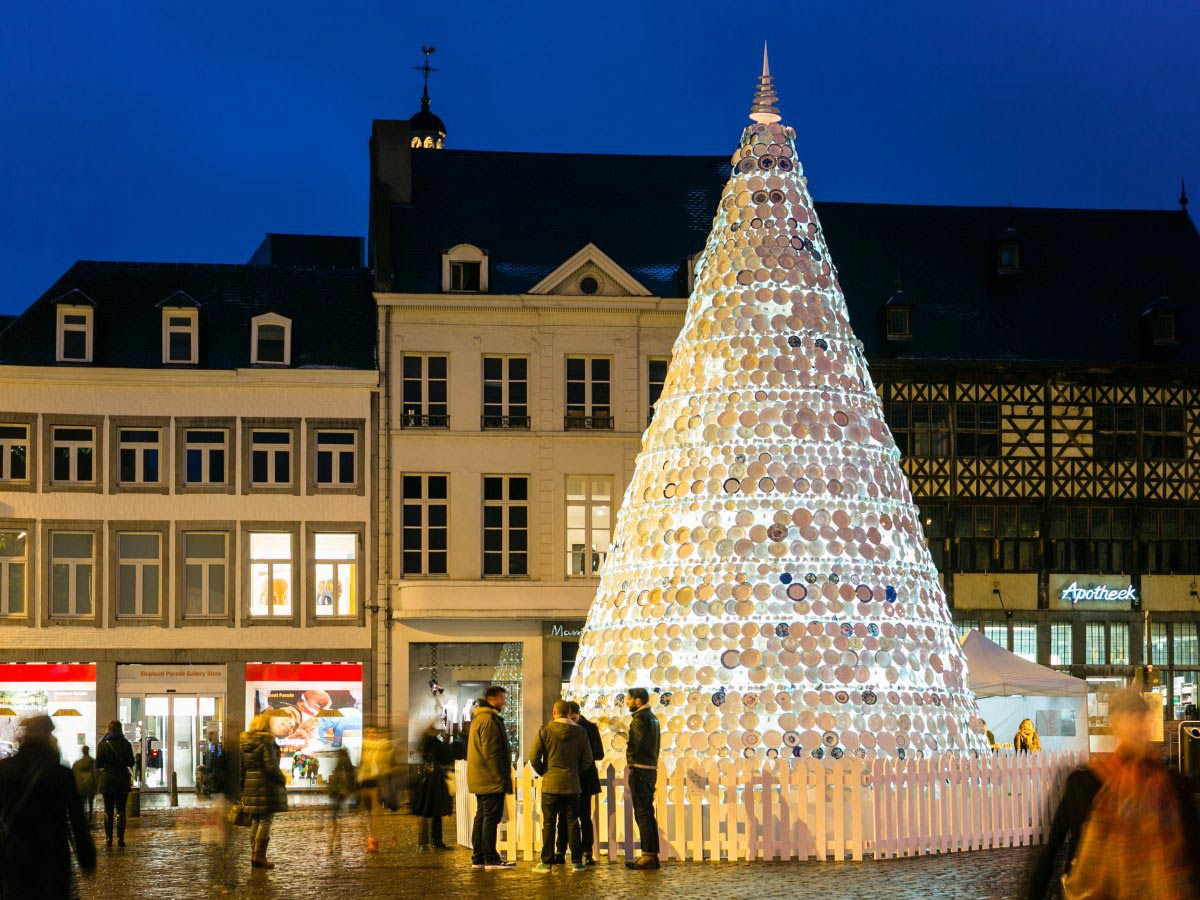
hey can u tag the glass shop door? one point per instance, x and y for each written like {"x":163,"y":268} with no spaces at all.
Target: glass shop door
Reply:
{"x":172,"y":733}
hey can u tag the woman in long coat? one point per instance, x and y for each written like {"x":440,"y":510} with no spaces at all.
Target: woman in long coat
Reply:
{"x":264,"y":790}
{"x":431,"y":797}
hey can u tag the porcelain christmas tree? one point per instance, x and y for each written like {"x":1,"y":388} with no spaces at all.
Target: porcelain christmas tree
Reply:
{"x":769,"y":579}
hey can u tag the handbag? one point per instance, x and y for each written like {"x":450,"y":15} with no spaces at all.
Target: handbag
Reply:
{"x":238,"y":816}
{"x":128,"y":769}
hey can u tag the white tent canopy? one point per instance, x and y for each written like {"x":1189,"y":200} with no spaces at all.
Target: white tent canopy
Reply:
{"x":1010,"y":689}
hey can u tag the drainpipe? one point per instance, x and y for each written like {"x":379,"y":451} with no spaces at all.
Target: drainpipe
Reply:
{"x":387,"y":510}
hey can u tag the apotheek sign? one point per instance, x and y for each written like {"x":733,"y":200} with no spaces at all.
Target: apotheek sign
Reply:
{"x":1075,"y":593}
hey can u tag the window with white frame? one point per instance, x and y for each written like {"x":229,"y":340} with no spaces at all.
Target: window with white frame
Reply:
{"x":14,"y":564}
{"x":75,"y":336}
{"x":424,"y":396}
{"x":271,"y":340}
{"x":73,"y":454}
{"x":1024,"y":640}
{"x":464,"y":270}
{"x":14,"y":452}
{"x":589,"y":384}
{"x":1118,"y":643}
{"x":337,"y":454}
{"x":1062,"y":637}
{"x":505,"y":392}
{"x":205,"y":574}
{"x":72,"y":571}
{"x":181,"y":336}
{"x":138,"y":455}
{"x":505,"y":525}
{"x":656,"y":377}
{"x":996,"y":631}
{"x":270,"y":574}
{"x":270,"y":458}
{"x":335,"y":574}
{"x":425,"y":524}
{"x":589,"y":523}
{"x":205,"y":453}
{"x":139,"y":572}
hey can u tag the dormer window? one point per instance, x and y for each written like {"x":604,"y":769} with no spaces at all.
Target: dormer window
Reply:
{"x":271,"y":340}
{"x":1163,"y":328}
{"x":180,"y":336}
{"x":75,"y":334}
{"x":1008,"y":252}
{"x":899,"y":323}
{"x":465,"y":270}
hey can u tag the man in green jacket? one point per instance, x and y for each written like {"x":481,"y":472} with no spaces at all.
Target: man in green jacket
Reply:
{"x":489,"y":776}
{"x":560,"y":754}
{"x":641,"y":758}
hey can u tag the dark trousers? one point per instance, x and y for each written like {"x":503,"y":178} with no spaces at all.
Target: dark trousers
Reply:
{"x":114,"y":805}
{"x":430,"y":831}
{"x":641,"y":785}
{"x":587,"y":833}
{"x":560,"y":812}
{"x":489,"y":808}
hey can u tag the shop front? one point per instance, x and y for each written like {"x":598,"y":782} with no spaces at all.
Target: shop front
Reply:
{"x":64,"y":691}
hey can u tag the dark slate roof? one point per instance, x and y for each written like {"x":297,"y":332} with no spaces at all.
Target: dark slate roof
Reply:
{"x":6,"y":320}
{"x":332,"y":313}
{"x":1087,"y":275}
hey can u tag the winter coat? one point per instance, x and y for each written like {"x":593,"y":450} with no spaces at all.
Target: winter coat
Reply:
{"x":264,"y":789}
{"x":1078,"y":793}
{"x":84,"y":771}
{"x":589,"y":776}
{"x":1033,"y":743}
{"x":114,"y":759}
{"x":431,"y":796}
{"x":642,"y":749}
{"x":489,"y":759}
{"x":45,"y":816}
{"x":559,"y":754}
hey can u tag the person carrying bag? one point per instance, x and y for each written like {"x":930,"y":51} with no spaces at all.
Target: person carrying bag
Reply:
{"x":114,"y":759}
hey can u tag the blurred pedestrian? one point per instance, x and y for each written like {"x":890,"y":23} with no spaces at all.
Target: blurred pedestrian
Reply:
{"x":312,"y":768}
{"x":641,"y":760}
{"x":215,"y":835}
{"x":560,"y":754}
{"x":376,"y":774}
{"x":589,"y":783}
{"x":991,"y":738}
{"x":1129,"y":822}
{"x":489,"y":776}
{"x":114,"y":759}
{"x":84,"y":771}
{"x":41,"y":816}
{"x":1026,"y":738}
{"x":431,"y":796}
{"x":342,"y":785}
{"x":264,"y":787}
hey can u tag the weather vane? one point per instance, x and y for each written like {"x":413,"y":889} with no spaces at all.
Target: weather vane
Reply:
{"x":428,"y":50}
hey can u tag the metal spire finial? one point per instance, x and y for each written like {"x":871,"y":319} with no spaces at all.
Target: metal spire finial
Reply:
{"x":1183,"y":197}
{"x":764,"y":109}
{"x":426,"y":68}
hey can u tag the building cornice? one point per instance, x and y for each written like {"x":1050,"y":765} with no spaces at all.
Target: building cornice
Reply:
{"x":285,"y":378}
{"x":536,"y":303}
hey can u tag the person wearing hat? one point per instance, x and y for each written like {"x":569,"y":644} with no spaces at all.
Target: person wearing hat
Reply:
{"x":43,"y":816}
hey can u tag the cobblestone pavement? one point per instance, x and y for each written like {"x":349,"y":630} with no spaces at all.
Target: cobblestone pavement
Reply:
{"x":166,"y":860}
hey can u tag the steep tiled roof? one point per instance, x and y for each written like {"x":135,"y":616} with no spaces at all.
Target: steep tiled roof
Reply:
{"x":1086,"y":275}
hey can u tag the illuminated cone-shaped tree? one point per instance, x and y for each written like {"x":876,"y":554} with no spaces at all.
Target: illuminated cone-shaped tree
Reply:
{"x":769,"y":578}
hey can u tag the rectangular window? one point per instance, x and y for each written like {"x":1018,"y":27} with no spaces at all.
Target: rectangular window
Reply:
{"x":1184,"y":644}
{"x":1114,"y":432}
{"x":337,"y":454}
{"x":205,"y":453}
{"x":899,"y":322}
{"x":589,"y":385}
{"x":464,"y":276}
{"x":1090,"y":539}
{"x":1024,"y":640}
{"x":270,"y":343}
{"x":996,"y":632}
{"x":656,"y":377}
{"x":270,"y":458}
{"x":181,"y":336}
{"x":505,"y":525}
{"x":14,"y":567}
{"x":920,"y":429}
{"x":72,"y":566}
{"x":977,"y":430}
{"x":1171,"y":540}
{"x":1164,"y":435}
{"x":425,"y":524}
{"x":1094,"y":652}
{"x":1061,"y":643}
{"x":335,"y":575}
{"x":425,"y":392}
{"x":933,"y":518}
{"x":74,"y":334}
{"x":205,"y":574}
{"x":1157,"y":644}
{"x":14,"y":452}
{"x":505,"y":392}
{"x":73,"y":454}
{"x":997,"y":538}
{"x":138,"y":455}
{"x":589,"y":523}
{"x":965,"y":628}
{"x":271,"y":574}
{"x":139,"y":568}
{"x":1118,"y":643}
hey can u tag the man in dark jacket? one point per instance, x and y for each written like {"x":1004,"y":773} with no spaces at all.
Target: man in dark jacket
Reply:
{"x":489,"y":776}
{"x":589,"y":782}
{"x":114,"y":759}
{"x":560,"y":754}
{"x":42,"y":815}
{"x":641,"y":758}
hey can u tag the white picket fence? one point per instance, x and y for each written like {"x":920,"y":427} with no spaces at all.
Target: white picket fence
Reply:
{"x":809,"y":809}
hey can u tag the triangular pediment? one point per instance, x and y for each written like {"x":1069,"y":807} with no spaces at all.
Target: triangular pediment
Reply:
{"x":571,"y":278}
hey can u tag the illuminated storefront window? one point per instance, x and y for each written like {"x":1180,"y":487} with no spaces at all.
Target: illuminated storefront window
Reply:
{"x":66,"y":693}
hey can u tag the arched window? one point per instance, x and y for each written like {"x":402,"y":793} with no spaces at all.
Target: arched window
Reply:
{"x":271,"y":340}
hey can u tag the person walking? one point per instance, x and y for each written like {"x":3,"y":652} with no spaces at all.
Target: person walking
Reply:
{"x":560,"y":754}
{"x":84,"y":771}
{"x":1026,"y":738}
{"x":114,"y":759}
{"x":641,"y":758}
{"x":42,"y":816}
{"x":431,"y":797}
{"x":376,"y":775}
{"x":342,"y":784}
{"x":1129,"y":823}
{"x":489,"y":776}
{"x":589,"y":783}
{"x":264,"y":787}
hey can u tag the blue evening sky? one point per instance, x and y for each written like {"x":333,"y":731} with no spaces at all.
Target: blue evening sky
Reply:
{"x":167,"y":131}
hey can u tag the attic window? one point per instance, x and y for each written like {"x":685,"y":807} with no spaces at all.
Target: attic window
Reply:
{"x":464,"y":276}
{"x":1164,"y":328}
{"x":74,"y":339}
{"x":588,"y":284}
{"x":271,"y":341}
{"x":1008,"y":257}
{"x":181,"y":336}
{"x":465,"y":270}
{"x":899,"y":323}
